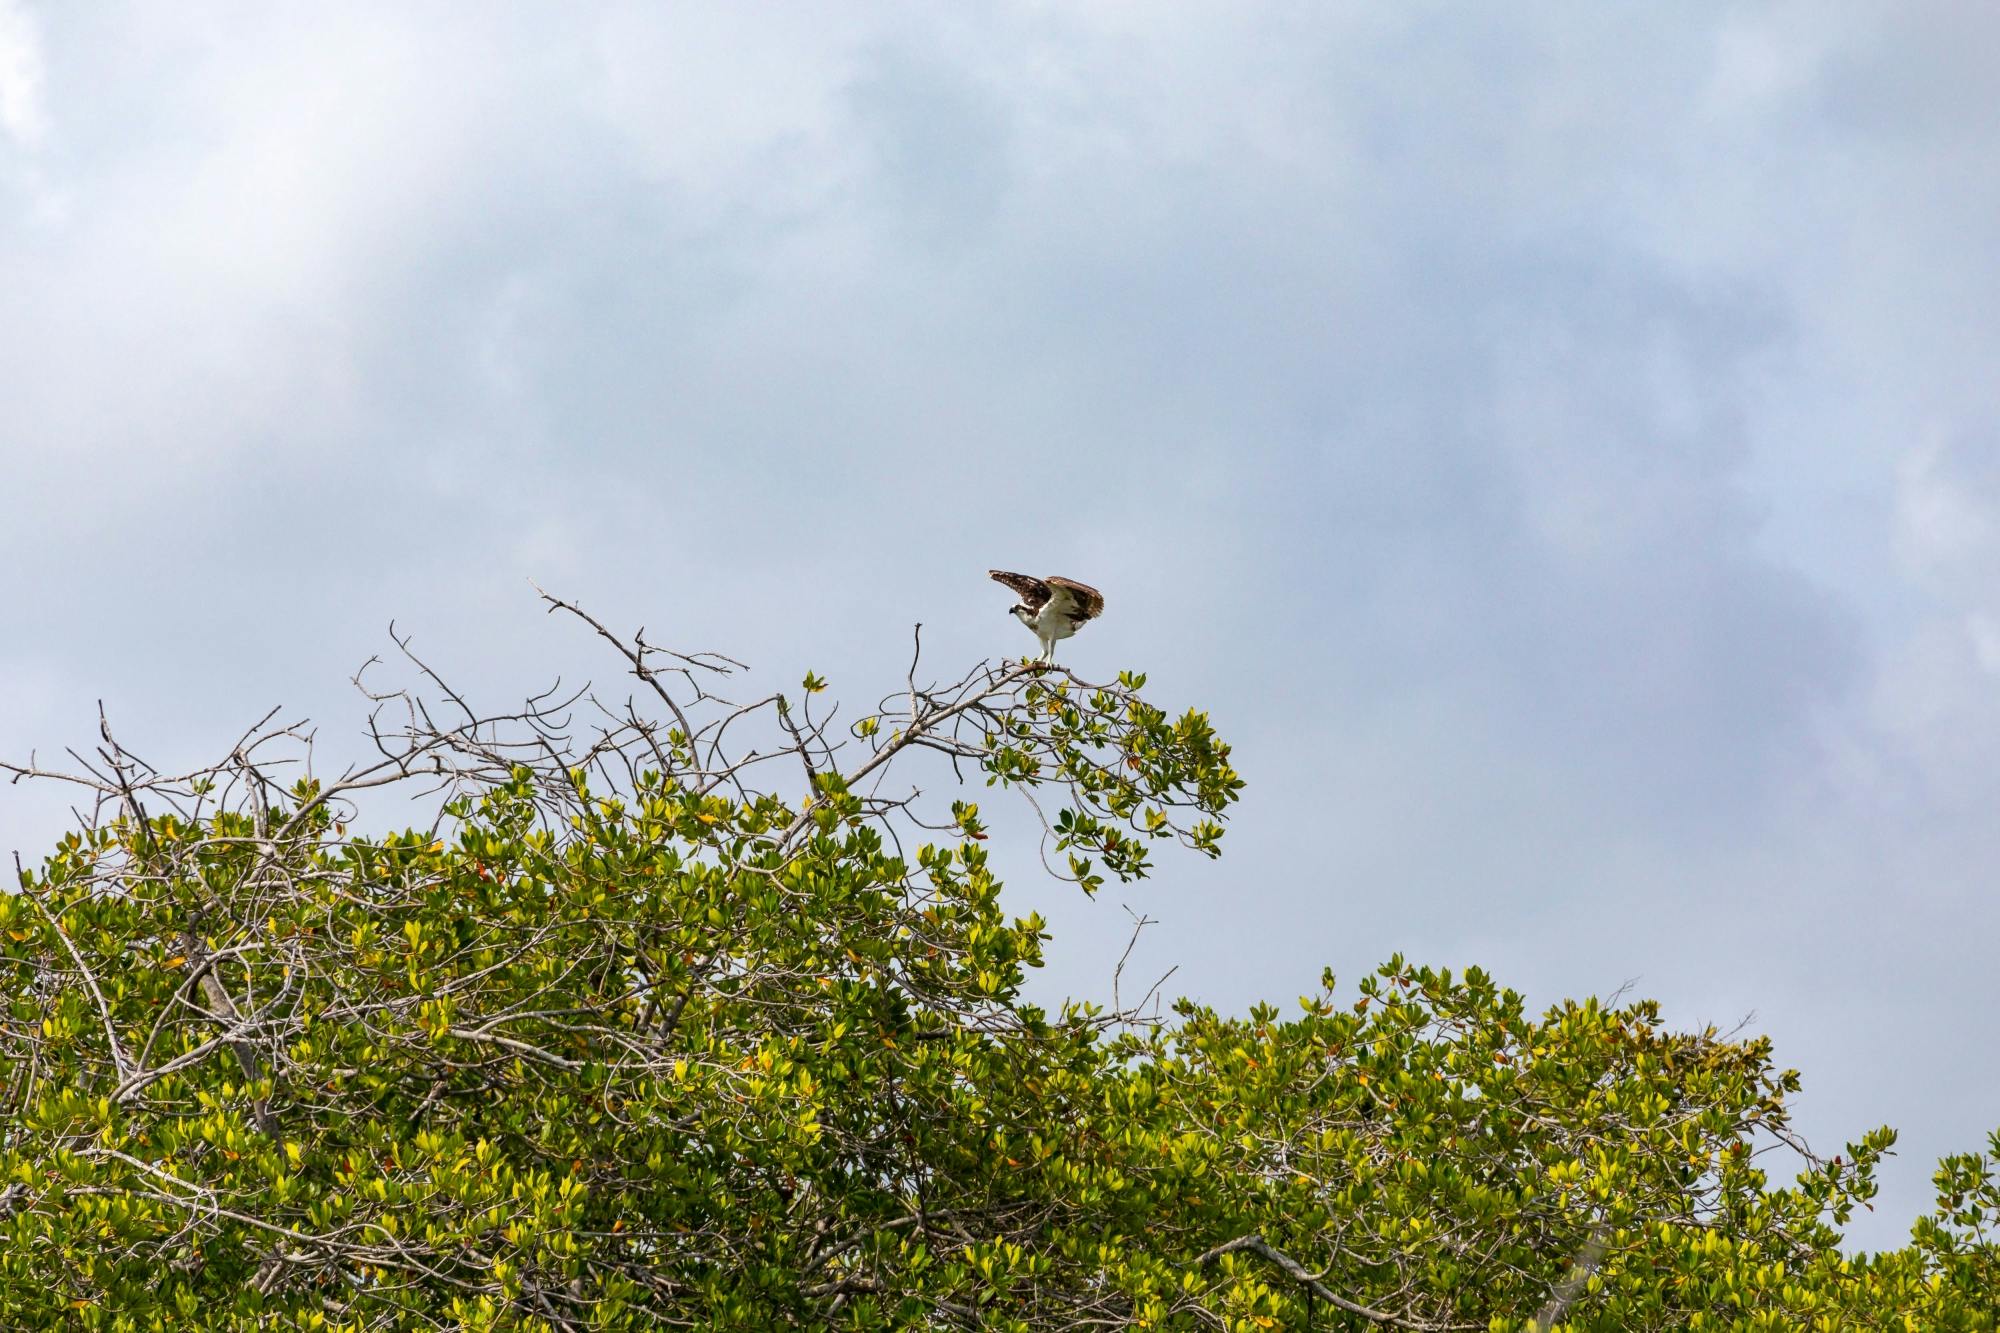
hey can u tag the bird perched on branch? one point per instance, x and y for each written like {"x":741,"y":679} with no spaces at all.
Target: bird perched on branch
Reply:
{"x":1054,"y":608}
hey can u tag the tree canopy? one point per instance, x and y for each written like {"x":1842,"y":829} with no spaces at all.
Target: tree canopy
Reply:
{"x":642,"y":1026}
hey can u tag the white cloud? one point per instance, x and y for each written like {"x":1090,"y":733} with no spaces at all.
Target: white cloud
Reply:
{"x":1942,"y":522}
{"x":22,"y":114}
{"x":733,"y":105}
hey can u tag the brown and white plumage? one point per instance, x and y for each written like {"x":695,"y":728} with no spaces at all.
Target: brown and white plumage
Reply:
{"x":1054,"y":608}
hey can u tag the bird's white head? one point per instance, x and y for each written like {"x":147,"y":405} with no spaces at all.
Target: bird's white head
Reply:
{"x":1022,"y":614}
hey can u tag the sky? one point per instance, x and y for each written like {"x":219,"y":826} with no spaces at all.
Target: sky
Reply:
{"x":1556,"y":444}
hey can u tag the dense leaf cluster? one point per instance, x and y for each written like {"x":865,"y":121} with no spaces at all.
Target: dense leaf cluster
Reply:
{"x":676,"y":1052}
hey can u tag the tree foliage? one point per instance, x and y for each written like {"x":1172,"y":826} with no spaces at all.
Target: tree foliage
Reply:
{"x":642,"y":1030}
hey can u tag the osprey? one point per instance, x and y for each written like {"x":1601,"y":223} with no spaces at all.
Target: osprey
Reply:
{"x":1054,"y":608}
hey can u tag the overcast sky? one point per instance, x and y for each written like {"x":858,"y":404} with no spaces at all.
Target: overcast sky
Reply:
{"x":1559,"y":444}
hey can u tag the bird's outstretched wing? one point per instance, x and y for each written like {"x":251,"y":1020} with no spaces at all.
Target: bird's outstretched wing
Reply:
{"x":1078,"y":601}
{"x":1032,"y":591}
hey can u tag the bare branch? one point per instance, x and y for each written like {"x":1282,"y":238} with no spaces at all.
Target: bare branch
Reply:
{"x":1298,"y":1273}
